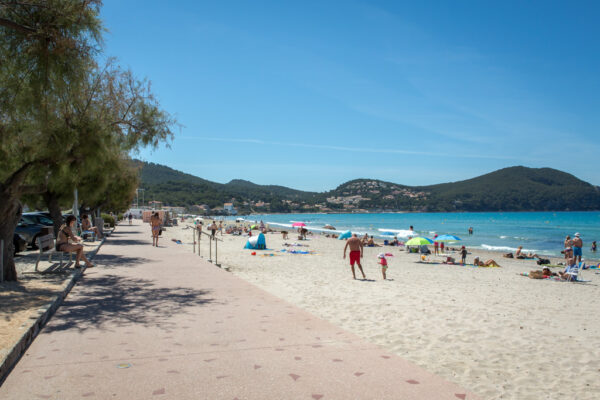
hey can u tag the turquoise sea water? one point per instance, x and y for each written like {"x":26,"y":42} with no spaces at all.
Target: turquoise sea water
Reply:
{"x":540,"y":232}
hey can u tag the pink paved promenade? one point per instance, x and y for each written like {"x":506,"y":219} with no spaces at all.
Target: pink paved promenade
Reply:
{"x":161,"y":323}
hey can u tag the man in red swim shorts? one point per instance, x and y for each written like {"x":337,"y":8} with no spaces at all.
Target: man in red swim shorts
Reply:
{"x":356,"y":253}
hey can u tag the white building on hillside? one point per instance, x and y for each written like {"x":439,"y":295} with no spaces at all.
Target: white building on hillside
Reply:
{"x":229,"y":209}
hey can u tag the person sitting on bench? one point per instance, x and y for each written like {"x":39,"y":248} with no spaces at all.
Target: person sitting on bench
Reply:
{"x":86,"y":226}
{"x":62,"y":242}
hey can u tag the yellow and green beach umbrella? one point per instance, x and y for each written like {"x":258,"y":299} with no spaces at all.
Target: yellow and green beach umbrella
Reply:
{"x":418,"y":241}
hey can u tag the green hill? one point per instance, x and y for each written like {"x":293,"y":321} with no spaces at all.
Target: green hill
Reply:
{"x":517,"y":189}
{"x":509,"y":189}
{"x":176,"y":188}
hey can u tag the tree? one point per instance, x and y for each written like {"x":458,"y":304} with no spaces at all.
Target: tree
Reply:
{"x":61,"y":118}
{"x":110,"y":114}
{"x":44,"y":47}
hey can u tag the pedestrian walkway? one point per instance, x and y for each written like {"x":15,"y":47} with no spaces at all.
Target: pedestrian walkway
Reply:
{"x":161,"y":323}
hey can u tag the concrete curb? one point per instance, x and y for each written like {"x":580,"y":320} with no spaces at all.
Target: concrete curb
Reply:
{"x":44,"y":315}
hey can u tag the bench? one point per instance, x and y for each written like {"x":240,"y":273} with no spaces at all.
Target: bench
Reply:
{"x":46,"y":244}
{"x":106,"y":229}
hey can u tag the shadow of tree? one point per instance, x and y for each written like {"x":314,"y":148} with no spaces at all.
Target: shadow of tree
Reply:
{"x":29,"y":292}
{"x":128,"y":242}
{"x":111,"y":301}
{"x":114,"y":261}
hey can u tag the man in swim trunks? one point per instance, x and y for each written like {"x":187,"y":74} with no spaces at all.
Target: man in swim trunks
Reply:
{"x":577,"y":246}
{"x":356,"y":253}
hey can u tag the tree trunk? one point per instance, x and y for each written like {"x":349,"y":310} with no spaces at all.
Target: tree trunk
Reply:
{"x":10,"y":214}
{"x":51,"y":200}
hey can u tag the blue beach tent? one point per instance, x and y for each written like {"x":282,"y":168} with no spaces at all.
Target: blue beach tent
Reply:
{"x":257,"y":242}
{"x":345,"y":235}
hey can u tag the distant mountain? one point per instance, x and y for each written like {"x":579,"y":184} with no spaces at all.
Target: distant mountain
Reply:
{"x":509,"y":189}
{"x":518,"y":189}
{"x":173,"y":187}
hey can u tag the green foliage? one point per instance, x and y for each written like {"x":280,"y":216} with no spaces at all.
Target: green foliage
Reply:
{"x":65,"y":122}
{"x":108,"y":219}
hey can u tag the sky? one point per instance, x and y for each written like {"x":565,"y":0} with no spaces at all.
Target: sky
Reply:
{"x":311,"y":94}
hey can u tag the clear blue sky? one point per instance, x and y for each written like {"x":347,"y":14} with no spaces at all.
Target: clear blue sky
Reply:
{"x":310,"y":94}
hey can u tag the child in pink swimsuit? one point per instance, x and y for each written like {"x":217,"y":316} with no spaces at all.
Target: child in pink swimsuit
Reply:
{"x":384,"y":265}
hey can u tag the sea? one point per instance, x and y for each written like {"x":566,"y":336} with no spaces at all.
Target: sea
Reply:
{"x":539,"y":232}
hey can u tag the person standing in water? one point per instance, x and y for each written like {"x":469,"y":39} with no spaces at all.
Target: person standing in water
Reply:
{"x":356,"y":253}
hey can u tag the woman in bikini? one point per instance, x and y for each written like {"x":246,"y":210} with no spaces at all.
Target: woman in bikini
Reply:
{"x":568,"y":247}
{"x":86,"y":225}
{"x":155,"y":225}
{"x":62,"y":242}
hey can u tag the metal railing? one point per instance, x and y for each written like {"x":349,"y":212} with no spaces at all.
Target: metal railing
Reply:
{"x":197,"y":239}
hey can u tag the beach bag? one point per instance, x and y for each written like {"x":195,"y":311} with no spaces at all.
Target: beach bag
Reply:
{"x":508,"y":255}
{"x":543,"y":261}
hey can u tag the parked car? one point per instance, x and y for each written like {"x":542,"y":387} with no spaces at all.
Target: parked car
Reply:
{"x":19,"y":243}
{"x":42,"y":218}
{"x":30,"y":230}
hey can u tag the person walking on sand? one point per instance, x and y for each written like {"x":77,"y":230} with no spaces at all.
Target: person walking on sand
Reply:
{"x":155,"y":226}
{"x":130,"y":217}
{"x":221,"y":227}
{"x":577,"y":248}
{"x":356,"y":253}
{"x":463,"y":255}
{"x":384,"y":265}
{"x":213,"y":229}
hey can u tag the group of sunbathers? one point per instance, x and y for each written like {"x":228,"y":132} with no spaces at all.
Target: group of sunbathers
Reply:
{"x":369,"y":241}
{"x":570,"y":273}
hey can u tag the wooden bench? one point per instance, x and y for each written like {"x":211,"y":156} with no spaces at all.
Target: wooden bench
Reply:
{"x":47,"y":245}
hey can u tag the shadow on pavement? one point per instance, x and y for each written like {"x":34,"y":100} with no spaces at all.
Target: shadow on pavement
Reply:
{"x":115,"y":261}
{"x":111,"y":300}
{"x":128,"y":242}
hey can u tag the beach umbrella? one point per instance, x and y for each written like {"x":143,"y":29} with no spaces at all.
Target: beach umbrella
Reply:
{"x":298,"y":224}
{"x":418,"y":241}
{"x":254,"y":227}
{"x":447,"y":238}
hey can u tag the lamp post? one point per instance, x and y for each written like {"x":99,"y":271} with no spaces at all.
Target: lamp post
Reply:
{"x":137,"y":194}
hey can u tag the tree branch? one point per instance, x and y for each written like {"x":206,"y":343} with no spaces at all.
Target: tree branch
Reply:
{"x":33,"y":189}
{"x":17,"y":27}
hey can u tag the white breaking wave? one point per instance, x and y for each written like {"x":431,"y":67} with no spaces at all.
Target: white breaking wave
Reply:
{"x":401,"y":233}
{"x":506,"y":248}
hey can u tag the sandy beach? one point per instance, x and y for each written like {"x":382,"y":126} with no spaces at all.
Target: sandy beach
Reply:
{"x":491,"y":330}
